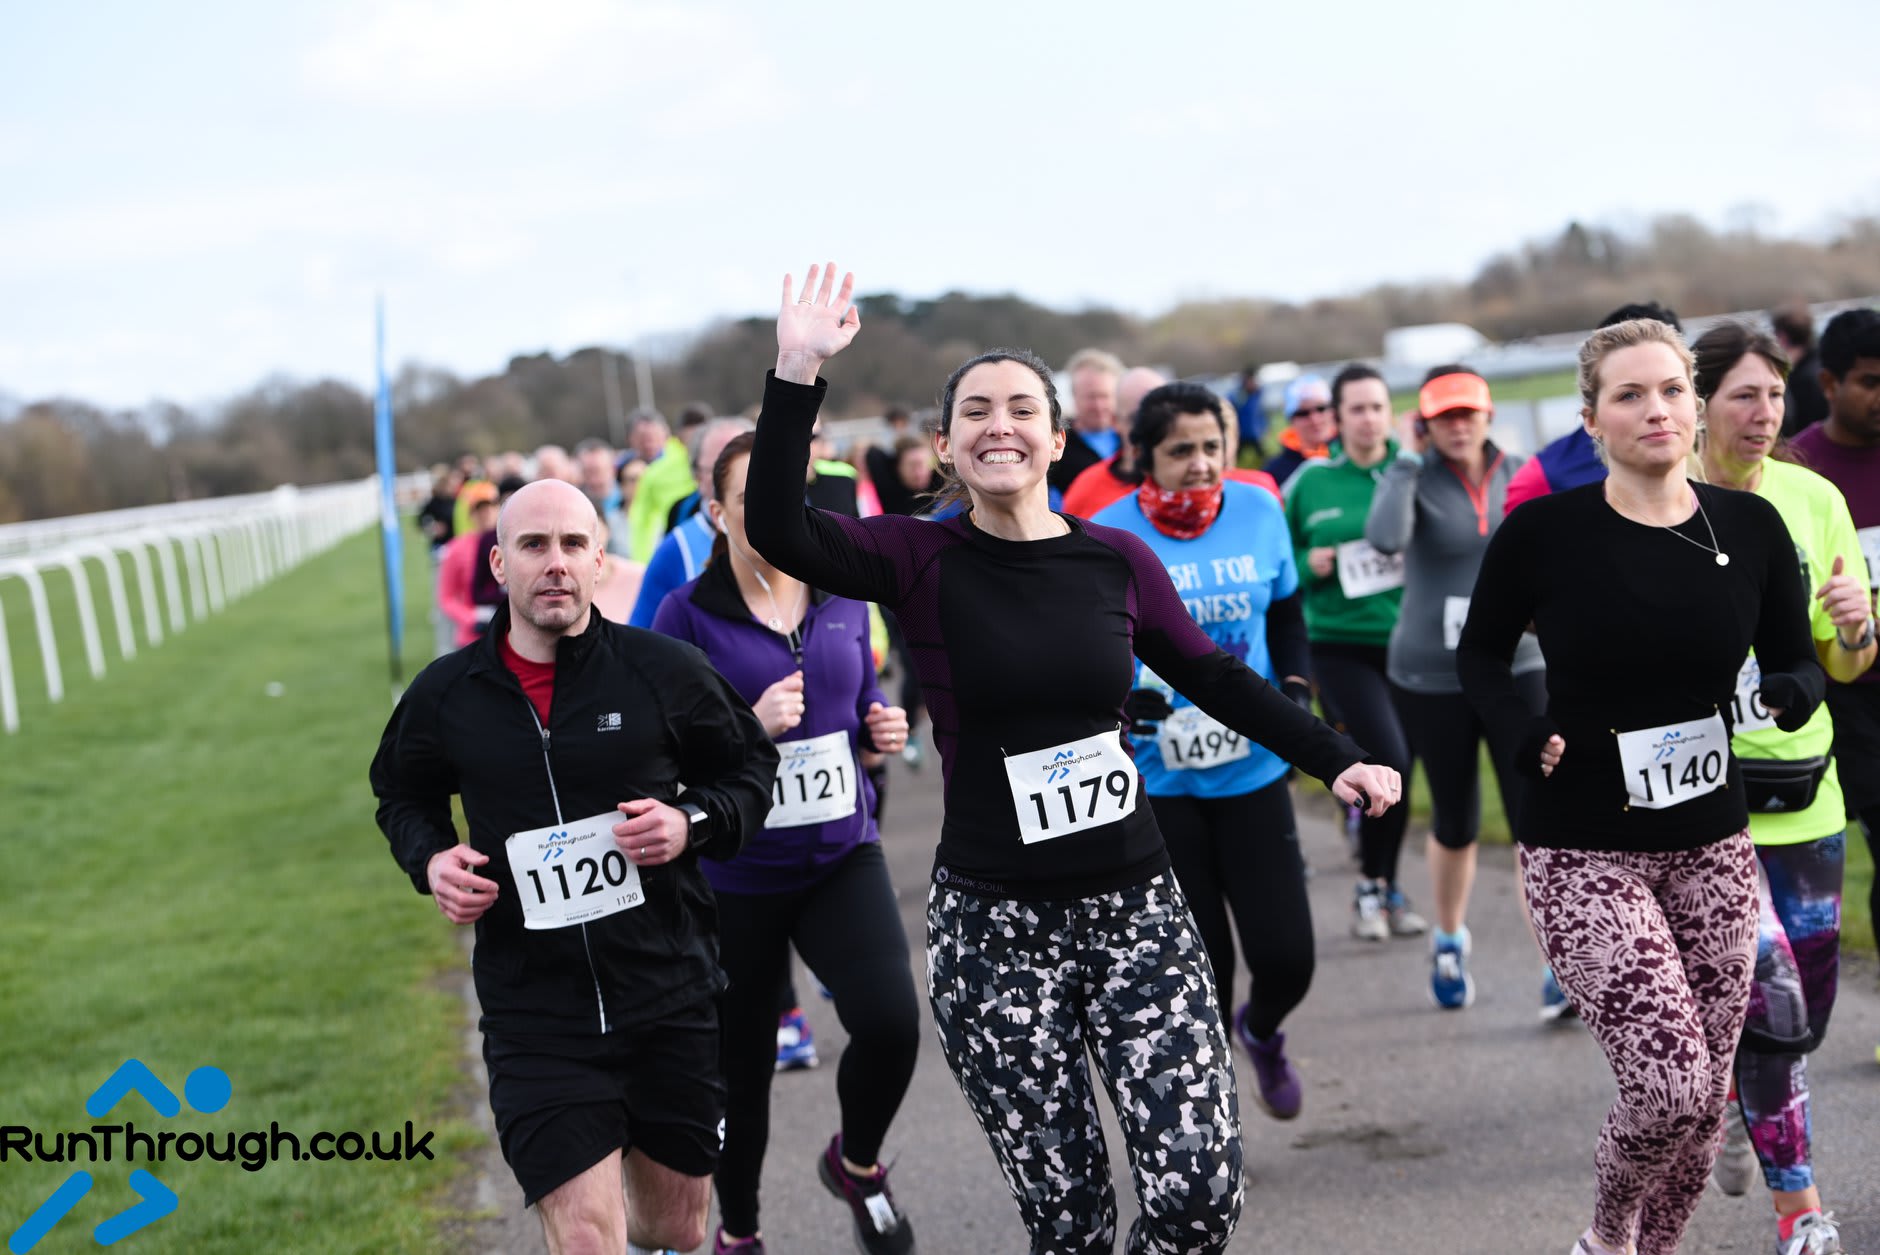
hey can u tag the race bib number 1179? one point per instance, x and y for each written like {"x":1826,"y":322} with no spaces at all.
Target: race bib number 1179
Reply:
{"x":1072,"y":787}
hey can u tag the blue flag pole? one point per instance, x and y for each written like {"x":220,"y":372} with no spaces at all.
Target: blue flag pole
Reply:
{"x":391,"y":549}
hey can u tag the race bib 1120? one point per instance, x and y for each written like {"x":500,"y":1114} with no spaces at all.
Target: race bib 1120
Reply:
{"x":572,"y":873}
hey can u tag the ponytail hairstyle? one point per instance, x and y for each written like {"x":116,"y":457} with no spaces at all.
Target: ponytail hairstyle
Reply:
{"x":952,"y":488}
{"x":739,"y":446}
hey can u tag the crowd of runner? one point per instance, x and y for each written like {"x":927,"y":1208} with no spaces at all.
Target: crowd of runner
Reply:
{"x":659,"y":696}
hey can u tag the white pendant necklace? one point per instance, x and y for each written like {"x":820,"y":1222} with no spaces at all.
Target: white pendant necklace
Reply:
{"x":1722,"y":559}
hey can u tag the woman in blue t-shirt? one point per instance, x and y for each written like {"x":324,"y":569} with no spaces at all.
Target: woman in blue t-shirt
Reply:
{"x":1221,"y":800}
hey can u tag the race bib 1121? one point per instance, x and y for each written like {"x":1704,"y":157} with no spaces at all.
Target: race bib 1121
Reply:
{"x":815,"y":782}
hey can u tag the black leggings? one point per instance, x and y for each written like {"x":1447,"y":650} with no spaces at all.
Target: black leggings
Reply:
{"x":1351,"y":680}
{"x":1445,"y":735}
{"x":847,"y":927}
{"x":1241,"y":854}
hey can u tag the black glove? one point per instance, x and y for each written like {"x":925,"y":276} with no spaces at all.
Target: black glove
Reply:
{"x":1144,"y":708}
{"x":1785,"y":693}
{"x":1299,"y":693}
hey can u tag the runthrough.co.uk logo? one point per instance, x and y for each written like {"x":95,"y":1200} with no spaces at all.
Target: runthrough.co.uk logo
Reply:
{"x":207,"y":1089}
{"x":1668,"y":746}
{"x":1059,"y":773}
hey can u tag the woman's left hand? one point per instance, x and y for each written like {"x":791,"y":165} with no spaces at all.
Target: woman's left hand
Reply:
{"x":887,"y":727}
{"x":1375,"y":787}
{"x":815,"y":326}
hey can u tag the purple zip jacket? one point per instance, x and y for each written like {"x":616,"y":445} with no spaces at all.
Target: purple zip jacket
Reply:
{"x":838,"y":687}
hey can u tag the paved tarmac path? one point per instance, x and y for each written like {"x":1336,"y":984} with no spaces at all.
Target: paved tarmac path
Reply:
{"x":1424,"y":1132}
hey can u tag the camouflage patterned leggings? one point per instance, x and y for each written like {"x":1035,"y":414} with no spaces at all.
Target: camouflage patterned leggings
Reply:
{"x":1655,"y":951}
{"x":1020,"y":990}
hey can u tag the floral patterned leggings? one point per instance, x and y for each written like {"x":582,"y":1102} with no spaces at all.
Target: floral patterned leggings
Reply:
{"x":1655,"y":950}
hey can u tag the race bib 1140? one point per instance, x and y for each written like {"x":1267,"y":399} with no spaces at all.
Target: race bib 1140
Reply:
{"x":1674,"y":763}
{"x":572,"y":873}
{"x":1072,"y":787}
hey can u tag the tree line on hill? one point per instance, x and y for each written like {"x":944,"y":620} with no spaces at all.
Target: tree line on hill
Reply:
{"x":65,"y":456}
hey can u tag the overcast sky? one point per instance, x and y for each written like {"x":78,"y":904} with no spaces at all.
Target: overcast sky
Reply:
{"x":193,"y":196}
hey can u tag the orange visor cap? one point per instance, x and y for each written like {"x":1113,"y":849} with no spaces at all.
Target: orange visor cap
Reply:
{"x":1454,"y":392}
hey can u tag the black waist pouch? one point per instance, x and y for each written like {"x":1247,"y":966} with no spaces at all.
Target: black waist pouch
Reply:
{"x":1775,"y":785}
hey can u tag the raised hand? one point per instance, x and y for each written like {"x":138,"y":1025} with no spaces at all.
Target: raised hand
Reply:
{"x":1843,"y":598}
{"x":814,"y":327}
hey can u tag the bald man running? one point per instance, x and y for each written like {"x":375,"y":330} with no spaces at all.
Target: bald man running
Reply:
{"x":596,"y":763}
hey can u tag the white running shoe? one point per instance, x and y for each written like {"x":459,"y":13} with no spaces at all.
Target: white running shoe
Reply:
{"x":1814,"y":1234}
{"x":1368,"y":919}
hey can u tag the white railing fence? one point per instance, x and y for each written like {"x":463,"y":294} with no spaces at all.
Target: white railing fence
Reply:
{"x":220,"y":549}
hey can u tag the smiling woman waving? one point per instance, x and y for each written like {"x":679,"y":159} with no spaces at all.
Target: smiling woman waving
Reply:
{"x":1054,"y":924}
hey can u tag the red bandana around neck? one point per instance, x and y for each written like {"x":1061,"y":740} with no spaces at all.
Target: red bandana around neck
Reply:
{"x":1184,"y":513}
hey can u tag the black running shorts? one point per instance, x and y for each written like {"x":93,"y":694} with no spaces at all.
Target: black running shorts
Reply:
{"x":564,"y":1103}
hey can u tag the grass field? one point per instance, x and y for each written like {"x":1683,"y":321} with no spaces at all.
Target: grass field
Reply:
{"x":197,"y":879}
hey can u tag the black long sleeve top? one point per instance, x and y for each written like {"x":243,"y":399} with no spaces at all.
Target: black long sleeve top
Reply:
{"x":1642,"y":629}
{"x":1020,"y":646}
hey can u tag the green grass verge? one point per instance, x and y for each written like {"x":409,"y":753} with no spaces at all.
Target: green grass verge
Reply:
{"x":197,"y":879}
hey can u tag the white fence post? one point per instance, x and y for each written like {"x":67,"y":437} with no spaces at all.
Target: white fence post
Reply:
{"x":87,"y":614}
{"x":42,"y":624}
{"x":230,"y":547}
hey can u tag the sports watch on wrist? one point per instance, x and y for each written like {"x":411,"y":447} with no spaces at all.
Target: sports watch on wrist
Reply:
{"x":696,"y":830}
{"x":1859,"y":642}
